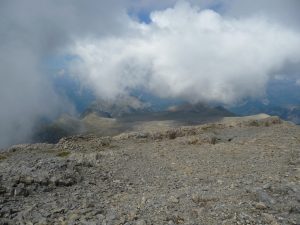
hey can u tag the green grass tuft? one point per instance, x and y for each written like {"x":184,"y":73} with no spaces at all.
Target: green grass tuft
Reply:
{"x":2,"y":157}
{"x":63,"y":154}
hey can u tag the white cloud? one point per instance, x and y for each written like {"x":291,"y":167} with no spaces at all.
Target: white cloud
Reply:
{"x":283,"y":12}
{"x":188,"y":53}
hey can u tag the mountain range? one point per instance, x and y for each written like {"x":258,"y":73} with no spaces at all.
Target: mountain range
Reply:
{"x":104,"y":117}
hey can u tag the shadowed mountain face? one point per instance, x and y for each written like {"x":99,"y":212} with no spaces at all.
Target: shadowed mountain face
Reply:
{"x":105,"y":118}
{"x":131,"y":109}
{"x":184,"y":114}
{"x":290,"y":113}
{"x":282,"y":99}
{"x":120,"y":107}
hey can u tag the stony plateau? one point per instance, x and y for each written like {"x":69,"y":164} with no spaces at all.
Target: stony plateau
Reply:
{"x":235,"y":171}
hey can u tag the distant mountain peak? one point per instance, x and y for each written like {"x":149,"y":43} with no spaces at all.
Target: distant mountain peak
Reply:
{"x":118,"y":107}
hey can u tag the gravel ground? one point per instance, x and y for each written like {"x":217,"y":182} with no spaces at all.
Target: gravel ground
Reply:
{"x":242,"y":171}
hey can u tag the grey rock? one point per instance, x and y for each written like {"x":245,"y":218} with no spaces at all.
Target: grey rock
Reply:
{"x":295,"y":209}
{"x":267,"y":186}
{"x":140,"y":222}
{"x":260,"y":206}
{"x":27,"y":180}
{"x":264,"y":197}
{"x":3,"y":190}
{"x":20,"y":190}
{"x":174,"y":199}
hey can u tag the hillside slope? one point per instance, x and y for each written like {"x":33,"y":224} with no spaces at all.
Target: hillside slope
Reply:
{"x":237,"y":171}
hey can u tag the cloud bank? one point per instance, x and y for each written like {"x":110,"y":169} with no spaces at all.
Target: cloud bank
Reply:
{"x":188,"y":53}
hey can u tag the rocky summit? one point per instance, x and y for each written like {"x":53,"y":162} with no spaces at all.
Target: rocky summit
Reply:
{"x":235,"y":171}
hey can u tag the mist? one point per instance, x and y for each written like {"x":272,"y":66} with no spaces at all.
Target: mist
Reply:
{"x":30,"y":32}
{"x":214,"y":51}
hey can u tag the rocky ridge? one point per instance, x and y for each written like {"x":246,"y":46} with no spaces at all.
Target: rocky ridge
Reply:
{"x":236,"y":171}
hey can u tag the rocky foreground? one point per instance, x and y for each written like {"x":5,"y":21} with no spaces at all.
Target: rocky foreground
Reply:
{"x":238,"y":171}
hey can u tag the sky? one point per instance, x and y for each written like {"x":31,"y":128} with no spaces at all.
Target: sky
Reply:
{"x":220,"y":51}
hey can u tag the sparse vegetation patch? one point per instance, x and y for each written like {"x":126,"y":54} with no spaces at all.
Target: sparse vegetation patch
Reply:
{"x":2,"y":157}
{"x":63,"y":154}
